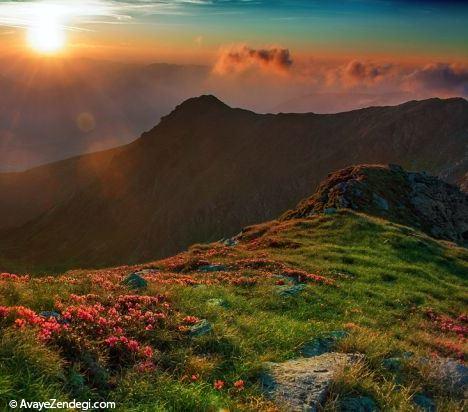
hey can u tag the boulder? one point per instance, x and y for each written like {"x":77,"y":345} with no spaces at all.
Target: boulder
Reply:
{"x":135,"y":281}
{"x":302,"y":384}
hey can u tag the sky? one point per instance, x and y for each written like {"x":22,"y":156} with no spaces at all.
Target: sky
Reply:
{"x":84,"y":69}
{"x":195,"y":30}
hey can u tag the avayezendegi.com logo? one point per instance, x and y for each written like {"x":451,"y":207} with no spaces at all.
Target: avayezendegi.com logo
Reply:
{"x":88,"y":405}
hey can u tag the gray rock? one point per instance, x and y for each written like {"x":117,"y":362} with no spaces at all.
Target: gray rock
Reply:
{"x":450,"y":373}
{"x":358,"y":404}
{"x":201,"y":328}
{"x":380,"y":202}
{"x":323,"y":344}
{"x":217,"y":302}
{"x":329,"y":211}
{"x":135,"y":281}
{"x":231,"y":242}
{"x":302,"y":385}
{"x":49,"y":314}
{"x":424,"y":402}
{"x":288,"y":291}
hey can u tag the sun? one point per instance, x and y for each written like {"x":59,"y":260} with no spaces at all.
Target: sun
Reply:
{"x":46,"y":35}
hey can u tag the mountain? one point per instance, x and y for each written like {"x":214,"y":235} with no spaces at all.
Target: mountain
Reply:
{"x":339,"y":102}
{"x":261,"y":322}
{"x":51,"y":110}
{"x":206,"y":171}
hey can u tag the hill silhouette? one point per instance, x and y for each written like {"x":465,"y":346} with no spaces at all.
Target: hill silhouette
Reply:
{"x":205,"y":171}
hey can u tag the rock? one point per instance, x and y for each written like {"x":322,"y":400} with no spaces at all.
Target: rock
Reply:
{"x":231,"y":242}
{"x":201,"y":328}
{"x":412,"y":199}
{"x":49,"y":314}
{"x":395,"y":364}
{"x":424,"y":402}
{"x":135,"y":281}
{"x":450,"y":373}
{"x":212,"y":268}
{"x":303,"y":384}
{"x":217,"y":302}
{"x":380,"y":202}
{"x":288,"y":291}
{"x":324,"y":344}
{"x":358,"y":404}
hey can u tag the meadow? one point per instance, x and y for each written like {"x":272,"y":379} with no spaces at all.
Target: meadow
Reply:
{"x":193,"y":332}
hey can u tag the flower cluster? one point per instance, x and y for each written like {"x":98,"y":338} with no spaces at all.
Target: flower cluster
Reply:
{"x":122,"y":329}
{"x":445,"y":323}
{"x":14,"y":278}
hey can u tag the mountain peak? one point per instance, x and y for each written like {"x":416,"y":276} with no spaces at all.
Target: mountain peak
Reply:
{"x":205,"y":101}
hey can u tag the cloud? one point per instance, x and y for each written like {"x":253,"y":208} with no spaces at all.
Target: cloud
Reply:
{"x":443,"y":78}
{"x":357,"y":73}
{"x":365,"y":72}
{"x":238,"y":59}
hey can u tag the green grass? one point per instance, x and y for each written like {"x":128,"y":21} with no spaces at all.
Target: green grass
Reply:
{"x":386,"y":276}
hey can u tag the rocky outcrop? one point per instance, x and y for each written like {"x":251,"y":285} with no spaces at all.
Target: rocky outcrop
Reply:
{"x":302,"y":384}
{"x":414,"y":199}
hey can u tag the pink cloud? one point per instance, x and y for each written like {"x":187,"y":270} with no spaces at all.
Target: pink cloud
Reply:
{"x":238,"y":59}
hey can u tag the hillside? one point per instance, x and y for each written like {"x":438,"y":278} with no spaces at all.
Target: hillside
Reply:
{"x":206,"y":171}
{"x":197,"y":331}
{"x":413,"y":199}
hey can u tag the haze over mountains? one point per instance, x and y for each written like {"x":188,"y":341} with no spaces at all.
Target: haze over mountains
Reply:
{"x":205,"y":171}
{"x":52,"y":109}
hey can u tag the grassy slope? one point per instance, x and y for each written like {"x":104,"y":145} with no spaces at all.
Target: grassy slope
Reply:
{"x":385,"y":276}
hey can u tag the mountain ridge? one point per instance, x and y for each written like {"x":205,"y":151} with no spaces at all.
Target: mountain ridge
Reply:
{"x":206,"y":170}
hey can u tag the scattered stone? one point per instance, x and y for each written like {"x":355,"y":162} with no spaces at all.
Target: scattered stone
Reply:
{"x":212,"y":268}
{"x":288,"y":291}
{"x":323,"y":344}
{"x":358,"y":404}
{"x":49,"y":314}
{"x":135,"y":281}
{"x":217,"y":302}
{"x":302,"y":384}
{"x":231,"y":242}
{"x":201,"y":328}
{"x":424,"y":402}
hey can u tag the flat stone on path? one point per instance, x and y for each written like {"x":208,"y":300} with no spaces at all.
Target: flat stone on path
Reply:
{"x":301,"y":385}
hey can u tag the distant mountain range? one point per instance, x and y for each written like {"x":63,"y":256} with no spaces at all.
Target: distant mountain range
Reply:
{"x":205,"y":171}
